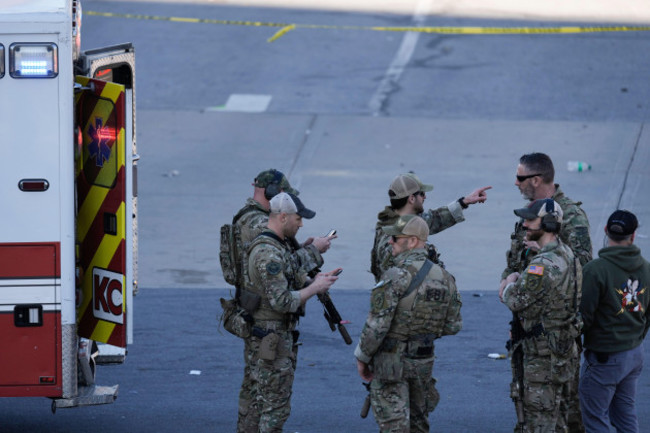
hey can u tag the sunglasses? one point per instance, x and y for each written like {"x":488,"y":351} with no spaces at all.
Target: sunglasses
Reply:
{"x":528,"y":176}
{"x":395,"y":238}
{"x":422,"y":193}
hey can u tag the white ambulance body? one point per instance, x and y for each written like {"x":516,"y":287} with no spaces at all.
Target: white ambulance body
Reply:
{"x":68,"y":226}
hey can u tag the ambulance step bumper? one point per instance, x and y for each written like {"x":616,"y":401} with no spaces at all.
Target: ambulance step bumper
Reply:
{"x":88,"y":396}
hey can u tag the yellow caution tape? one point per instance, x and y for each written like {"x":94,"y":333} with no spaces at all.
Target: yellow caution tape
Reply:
{"x":284,"y":27}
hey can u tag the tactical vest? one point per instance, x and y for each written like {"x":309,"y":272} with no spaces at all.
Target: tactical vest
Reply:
{"x":422,"y":313}
{"x":290,"y":269}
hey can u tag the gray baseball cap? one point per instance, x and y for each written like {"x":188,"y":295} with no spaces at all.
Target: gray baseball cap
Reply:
{"x":289,"y":203}
{"x":540,"y":208}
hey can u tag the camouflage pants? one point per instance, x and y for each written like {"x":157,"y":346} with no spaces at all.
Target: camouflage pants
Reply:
{"x":404,"y":406}
{"x":248,"y":417}
{"x":272,"y":383}
{"x":547,"y":383}
{"x":571,"y":403}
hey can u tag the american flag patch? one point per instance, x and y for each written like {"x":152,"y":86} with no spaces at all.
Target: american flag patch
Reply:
{"x":536,"y":270}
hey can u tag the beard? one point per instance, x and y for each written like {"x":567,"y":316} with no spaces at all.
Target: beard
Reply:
{"x":528,"y":192}
{"x":534,"y":235}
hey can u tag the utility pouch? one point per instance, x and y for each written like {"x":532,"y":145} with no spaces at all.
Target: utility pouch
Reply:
{"x":249,"y":301}
{"x":388,"y":366}
{"x":234,"y":319}
{"x":269,"y":347}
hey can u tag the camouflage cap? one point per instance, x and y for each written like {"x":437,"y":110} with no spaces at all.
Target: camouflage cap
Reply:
{"x":540,"y":208}
{"x":409,"y":225}
{"x":270,"y":176}
{"x":622,"y":223}
{"x":289,"y":203}
{"x":405,"y":185}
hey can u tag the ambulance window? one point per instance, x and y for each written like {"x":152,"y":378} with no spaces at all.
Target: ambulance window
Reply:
{"x":2,"y":60}
{"x":104,"y":74}
{"x":33,"y":60}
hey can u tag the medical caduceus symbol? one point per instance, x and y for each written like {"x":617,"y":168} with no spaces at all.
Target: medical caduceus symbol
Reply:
{"x":98,"y":147}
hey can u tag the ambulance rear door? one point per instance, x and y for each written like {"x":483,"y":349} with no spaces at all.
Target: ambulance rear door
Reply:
{"x":106,"y":163}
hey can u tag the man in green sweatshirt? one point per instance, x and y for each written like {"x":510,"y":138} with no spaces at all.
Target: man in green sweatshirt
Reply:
{"x":614,"y":307}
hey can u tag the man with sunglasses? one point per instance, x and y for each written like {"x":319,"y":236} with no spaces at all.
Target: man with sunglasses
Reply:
{"x":415,"y":303}
{"x":407,"y":195}
{"x":535,"y":181}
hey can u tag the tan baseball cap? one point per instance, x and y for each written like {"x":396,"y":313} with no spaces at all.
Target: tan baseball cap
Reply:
{"x":405,"y":185}
{"x":409,"y":225}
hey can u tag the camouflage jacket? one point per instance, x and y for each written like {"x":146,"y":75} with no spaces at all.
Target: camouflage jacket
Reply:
{"x":434,"y":307}
{"x":253,"y":221}
{"x":547,"y":296}
{"x":574,"y":233}
{"x":381,"y":256}
{"x":274,"y":274}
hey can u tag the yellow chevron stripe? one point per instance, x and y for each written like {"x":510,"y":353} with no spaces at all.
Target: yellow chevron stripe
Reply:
{"x":101,"y":259}
{"x":89,"y":209}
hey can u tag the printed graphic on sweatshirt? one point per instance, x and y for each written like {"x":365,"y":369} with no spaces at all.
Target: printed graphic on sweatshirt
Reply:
{"x":629,"y":294}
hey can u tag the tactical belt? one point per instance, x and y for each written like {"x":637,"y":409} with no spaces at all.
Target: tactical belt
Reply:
{"x":275,"y":325}
{"x":417,"y":346}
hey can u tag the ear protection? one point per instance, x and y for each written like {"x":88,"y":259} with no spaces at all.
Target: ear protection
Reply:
{"x":273,"y":188}
{"x":549,"y":221}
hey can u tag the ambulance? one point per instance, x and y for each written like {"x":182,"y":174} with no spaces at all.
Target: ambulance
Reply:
{"x":68,"y":205}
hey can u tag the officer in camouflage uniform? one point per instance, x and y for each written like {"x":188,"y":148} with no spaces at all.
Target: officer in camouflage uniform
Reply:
{"x":535,"y":180}
{"x":546,"y":297}
{"x":275,"y":278}
{"x":415,"y":303}
{"x":250,"y":221}
{"x":407,"y":195}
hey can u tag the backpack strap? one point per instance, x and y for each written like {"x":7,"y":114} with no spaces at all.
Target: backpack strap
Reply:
{"x":243,"y":211}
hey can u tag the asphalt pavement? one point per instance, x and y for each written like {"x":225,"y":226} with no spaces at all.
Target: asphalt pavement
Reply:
{"x":460,"y":117}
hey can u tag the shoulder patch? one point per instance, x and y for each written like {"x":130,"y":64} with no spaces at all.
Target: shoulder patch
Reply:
{"x":273,"y":268}
{"x":536,"y":270}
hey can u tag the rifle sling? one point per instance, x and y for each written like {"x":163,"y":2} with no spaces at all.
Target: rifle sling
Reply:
{"x":419,"y":277}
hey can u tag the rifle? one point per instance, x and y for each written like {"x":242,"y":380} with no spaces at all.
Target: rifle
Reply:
{"x":517,"y":384}
{"x":333,"y":317}
{"x":366,"y":404}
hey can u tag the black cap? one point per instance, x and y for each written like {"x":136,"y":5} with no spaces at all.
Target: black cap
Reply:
{"x":622,"y":223}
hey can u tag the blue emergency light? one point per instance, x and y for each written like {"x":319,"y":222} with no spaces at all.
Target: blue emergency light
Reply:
{"x":33,"y":60}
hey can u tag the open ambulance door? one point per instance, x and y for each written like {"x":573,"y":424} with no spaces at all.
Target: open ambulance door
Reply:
{"x":106,"y":182}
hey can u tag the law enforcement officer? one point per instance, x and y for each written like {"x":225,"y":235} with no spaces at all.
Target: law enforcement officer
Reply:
{"x":282,"y":288}
{"x":546,"y":297}
{"x":614,"y":307}
{"x":535,"y":181}
{"x":407,"y":195}
{"x":415,"y":303}
{"x":249,"y":222}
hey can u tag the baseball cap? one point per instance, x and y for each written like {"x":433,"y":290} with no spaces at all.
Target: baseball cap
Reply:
{"x":289,"y":203}
{"x":267,"y":177}
{"x":540,"y":208}
{"x":622,"y":223}
{"x":406,"y":184}
{"x":409,"y":225}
